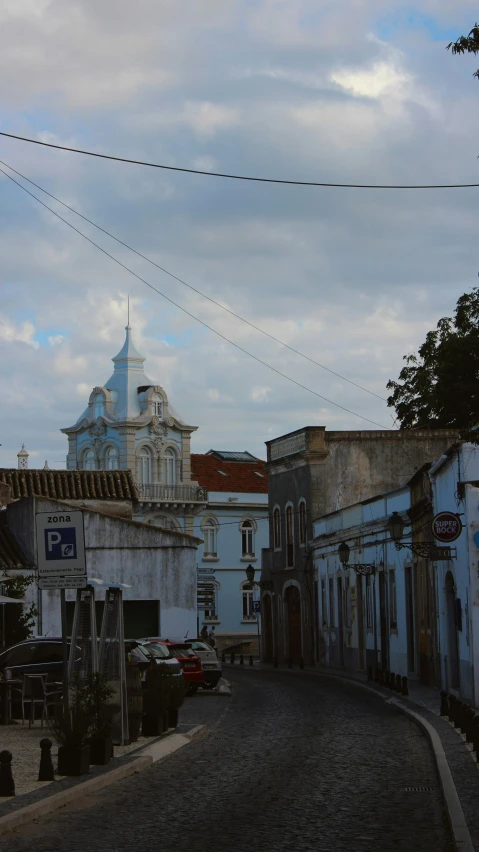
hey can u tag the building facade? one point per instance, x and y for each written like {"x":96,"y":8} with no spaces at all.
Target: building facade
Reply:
{"x":130,"y":424}
{"x":311,"y":473}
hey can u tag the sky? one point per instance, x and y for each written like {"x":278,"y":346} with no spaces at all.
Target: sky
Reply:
{"x":355,"y":91}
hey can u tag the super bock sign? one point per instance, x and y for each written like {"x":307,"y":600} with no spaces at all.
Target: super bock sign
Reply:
{"x":446,"y":527}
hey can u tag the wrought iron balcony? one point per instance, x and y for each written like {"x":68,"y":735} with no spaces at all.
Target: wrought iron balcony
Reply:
{"x":160,"y":493}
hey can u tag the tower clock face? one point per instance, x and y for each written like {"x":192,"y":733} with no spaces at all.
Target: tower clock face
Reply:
{"x":23,"y":463}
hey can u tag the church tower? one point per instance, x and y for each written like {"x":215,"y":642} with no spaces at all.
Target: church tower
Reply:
{"x":130,"y":424}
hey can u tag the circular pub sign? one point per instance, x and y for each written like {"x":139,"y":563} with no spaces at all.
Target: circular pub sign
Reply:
{"x":446,"y":527}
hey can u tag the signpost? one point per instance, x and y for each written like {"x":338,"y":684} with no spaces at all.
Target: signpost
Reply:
{"x":446,"y":527}
{"x":61,"y":565}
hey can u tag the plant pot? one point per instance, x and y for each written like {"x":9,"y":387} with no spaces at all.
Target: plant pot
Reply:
{"x":153,"y":726}
{"x":73,"y":760}
{"x":101,"y":750}
{"x":173,"y":717}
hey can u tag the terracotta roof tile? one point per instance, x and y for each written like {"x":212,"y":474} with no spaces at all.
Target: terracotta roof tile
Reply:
{"x":241,"y":476}
{"x":70,"y":484}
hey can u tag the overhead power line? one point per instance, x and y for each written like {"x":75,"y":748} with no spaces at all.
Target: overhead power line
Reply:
{"x":242,"y":177}
{"x":188,"y":313}
{"x":195,"y":290}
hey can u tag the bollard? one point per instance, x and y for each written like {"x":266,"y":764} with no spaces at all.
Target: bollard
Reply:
{"x":475,"y":738}
{"x":7,"y":784}
{"x":404,"y":689}
{"x":223,"y":657}
{"x":301,"y":663}
{"x":462,"y":710}
{"x":386,"y":678}
{"x":290,"y":663}
{"x":452,"y":709}
{"x":251,"y":660}
{"x":241,"y":660}
{"x":444,"y":711}
{"x":381,"y":677}
{"x":232,"y":658}
{"x":398,"y":683}
{"x":370,"y":672}
{"x":469,"y":716}
{"x":275,"y":662}
{"x":377,"y":676}
{"x":392,"y":680}
{"x":46,"y":772}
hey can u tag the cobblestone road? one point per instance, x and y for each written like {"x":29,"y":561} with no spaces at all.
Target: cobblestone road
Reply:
{"x":288,"y":764}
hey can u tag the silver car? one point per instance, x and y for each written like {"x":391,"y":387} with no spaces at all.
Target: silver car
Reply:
{"x":210,"y":662}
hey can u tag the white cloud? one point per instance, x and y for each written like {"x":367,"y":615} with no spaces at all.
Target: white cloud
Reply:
{"x":23,"y":332}
{"x":56,"y":339}
{"x":260,"y":394}
{"x":382,"y":78}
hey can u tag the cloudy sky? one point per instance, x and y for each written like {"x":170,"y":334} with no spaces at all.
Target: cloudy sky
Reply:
{"x":357,"y":91}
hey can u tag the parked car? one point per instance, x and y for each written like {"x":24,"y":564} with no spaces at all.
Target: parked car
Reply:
{"x":210,"y":662}
{"x":43,"y":655}
{"x":189,"y":661}
{"x":145,"y":653}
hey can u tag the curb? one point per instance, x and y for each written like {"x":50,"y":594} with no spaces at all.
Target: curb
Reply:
{"x":150,"y":754}
{"x":460,"y":831}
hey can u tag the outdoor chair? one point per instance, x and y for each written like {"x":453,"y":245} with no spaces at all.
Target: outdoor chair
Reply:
{"x":36,"y":690}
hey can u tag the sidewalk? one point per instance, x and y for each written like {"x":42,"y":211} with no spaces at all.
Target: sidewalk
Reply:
{"x":425,"y":702}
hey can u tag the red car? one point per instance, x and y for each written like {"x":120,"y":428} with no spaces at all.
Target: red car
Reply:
{"x":189,"y":661}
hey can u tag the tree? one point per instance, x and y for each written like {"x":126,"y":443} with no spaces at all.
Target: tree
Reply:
{"x":467,"y":44}
{"x":19,"y":621}
{"x":439,"y":387}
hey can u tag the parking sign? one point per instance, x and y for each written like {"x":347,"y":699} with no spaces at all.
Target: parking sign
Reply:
{"x":60,"y":548}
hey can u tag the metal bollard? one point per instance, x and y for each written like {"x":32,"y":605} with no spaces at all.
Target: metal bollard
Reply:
{"x":392,"y":680}
{"x":251,"y":660}
{"x":452,"y":709}
{"x":46,"y":772}
{"x":290,"y":663}
{"x":444,"y":711}
{"x":469,"y":715}
{"x":462,"y":710}
{"x":241,"y":660}
{"x":404,"y":689}
{"x":386,"y":678}
{"x":7,"y":784}
{"x":370,"y":672}
{"x":301,"y":663}
{"x":398,"y":683}
{"x":232,"y":658}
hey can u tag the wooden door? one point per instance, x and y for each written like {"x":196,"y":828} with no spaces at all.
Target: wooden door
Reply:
{"x":293,"y":608}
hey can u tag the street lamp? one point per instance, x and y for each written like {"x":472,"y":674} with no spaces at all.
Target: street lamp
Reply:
{"x":360,"y":567}
{"x":395,"y":527}
{"x":250,"y":572}
{"x":424,"y":549}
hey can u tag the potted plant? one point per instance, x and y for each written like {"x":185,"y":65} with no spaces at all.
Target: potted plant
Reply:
{"x":156,"y":700}
{"x":71,"y":730}
{"x":100,"y":712}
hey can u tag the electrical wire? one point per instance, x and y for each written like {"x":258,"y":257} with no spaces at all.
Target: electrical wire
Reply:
{"x":242,"y":177}
{"x":190,"y":286}
{"x":201,"y":322}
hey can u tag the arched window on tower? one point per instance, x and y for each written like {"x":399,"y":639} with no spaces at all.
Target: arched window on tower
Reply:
{"x":112,"y":458}
{"x":88,"y":460}
{"x":98,"y":405}
{"x":209,"y":531}
{"x":157,"y":405}
{"x":170,"y":467}
{"x":144,"y":466}
{"x":247,"y":539}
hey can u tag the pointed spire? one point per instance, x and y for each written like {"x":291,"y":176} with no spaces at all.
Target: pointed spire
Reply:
{"x":128,"y":355}
{"x":22,"y":457}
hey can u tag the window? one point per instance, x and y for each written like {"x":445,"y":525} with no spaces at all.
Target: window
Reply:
{"x":277,"y":528}
{"x":331,"y":602}
{"x":144,"y":466}
{"x":48,"y":652}
{"x":157,"y":405}
{"x":209,"y":531}
{"x":324,"y":607}
{"x":247,"y":538}
{"x":248,"y":614}
{"x":302,"y":522}
{"x":393,"y":618}
{"x":88,"y":460}
{"x":289,"y":537}
{"x":20,"y":656}
{"x":369,"y":603}
{"x":165,"y":521}
{"x":98,"y":405}
{"x":112,"y":458}
{"x":170,"y":467}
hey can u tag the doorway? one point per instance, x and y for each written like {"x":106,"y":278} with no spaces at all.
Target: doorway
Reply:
{"x":383,"y":621}
{"x":340,"y":622}
{"x":411,"y":648}
{"x":293,"y":610}
{"x":452,"y":661}
{"x":360,"y":616}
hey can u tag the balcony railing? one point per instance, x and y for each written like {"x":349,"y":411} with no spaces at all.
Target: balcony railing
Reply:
{"x":172,"y":493}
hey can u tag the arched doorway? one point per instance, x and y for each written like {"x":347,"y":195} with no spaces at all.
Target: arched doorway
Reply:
{"x":293,"y":610}
{"x":452,"y":661}
{"x":267,"y":629}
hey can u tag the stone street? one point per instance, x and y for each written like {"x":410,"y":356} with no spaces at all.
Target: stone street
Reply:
{"x":288,"y":764}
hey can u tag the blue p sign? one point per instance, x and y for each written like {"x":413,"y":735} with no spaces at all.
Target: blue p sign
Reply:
{"x":60,"y":543}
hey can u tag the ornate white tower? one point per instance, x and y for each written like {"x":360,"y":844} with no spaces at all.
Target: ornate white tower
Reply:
{"x":22,"y":457}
